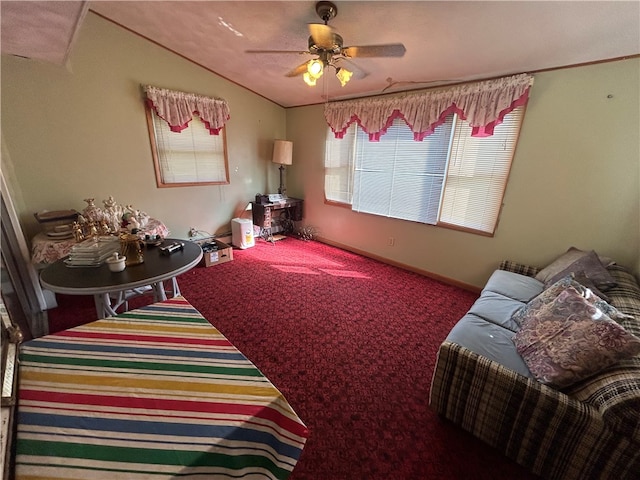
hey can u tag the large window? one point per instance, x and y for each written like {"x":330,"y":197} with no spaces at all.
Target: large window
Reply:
{"x":190,"y":157}
{"x":449,"y":179}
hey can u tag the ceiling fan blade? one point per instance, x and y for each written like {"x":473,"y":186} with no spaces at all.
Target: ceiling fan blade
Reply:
{"x":299,"y":70}
{"x":388,"y":50}
{"x":322,"y":35}
{"x":299,"y":52}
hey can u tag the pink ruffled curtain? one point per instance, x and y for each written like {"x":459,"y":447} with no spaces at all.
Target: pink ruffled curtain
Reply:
{"x":177,"y":108}
{"x":483,"y":105}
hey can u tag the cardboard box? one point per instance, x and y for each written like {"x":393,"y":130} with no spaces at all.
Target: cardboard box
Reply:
{"x":214,"y":252}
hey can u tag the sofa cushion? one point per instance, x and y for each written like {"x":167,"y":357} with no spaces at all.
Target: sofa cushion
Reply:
{"x":570,"y":339}
{"x":498,"y":309}
{"x":489,"y":340}
{"x":513,"y":285}
{"x":578,"y":262}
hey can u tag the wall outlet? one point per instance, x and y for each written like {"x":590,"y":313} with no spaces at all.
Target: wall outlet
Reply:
{"x":391,"y":242}
{"x":193,"y":232}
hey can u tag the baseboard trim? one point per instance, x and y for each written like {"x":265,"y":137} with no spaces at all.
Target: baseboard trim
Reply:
{"x":404,"y":266}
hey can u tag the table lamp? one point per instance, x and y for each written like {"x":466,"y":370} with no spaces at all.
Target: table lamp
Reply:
{"x":282,"y":155}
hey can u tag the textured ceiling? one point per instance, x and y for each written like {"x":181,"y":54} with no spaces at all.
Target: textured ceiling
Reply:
{"x":450,"y":41}
{"x":40,"y":30}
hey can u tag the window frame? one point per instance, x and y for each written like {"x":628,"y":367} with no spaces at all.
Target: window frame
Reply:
{"x":160,"y":182}
{"x":440,"y":223}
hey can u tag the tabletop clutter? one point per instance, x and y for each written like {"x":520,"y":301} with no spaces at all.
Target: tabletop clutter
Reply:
{"x":94,"y":235}
{"x":93,"y":251}
{"x":57,"y":224}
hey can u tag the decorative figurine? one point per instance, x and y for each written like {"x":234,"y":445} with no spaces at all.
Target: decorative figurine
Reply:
{"x":113,"y":213}
{"x":78,"y":234}
{"x":142,"y":217}
{"x":109,"y":203}
{"x":113,"y":219}
{"x":93,"y":230}
{"x":105,"y":228}
{"x":91,"y":212}
{"x":133,"y":224}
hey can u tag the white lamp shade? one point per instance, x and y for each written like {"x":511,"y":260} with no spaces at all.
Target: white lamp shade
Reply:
{"x":283,"y":152}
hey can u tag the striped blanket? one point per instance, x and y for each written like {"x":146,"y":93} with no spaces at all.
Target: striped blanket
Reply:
{"x":152,"y":393}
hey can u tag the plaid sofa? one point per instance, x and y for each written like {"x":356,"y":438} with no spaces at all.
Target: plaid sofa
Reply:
{"x":588,"y":431}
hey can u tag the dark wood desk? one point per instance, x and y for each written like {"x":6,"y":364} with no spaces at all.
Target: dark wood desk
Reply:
{"x":105,"y":285}
{"x":264,"y":215}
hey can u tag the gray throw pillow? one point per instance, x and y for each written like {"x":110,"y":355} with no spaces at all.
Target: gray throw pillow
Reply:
{"x":578,"y":262}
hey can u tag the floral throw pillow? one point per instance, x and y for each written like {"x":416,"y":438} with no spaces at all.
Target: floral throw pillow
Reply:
{"x":569,"y":339}
{"x":549,"y":294}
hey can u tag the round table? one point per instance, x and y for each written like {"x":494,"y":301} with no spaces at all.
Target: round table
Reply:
{"x":106,"y":286}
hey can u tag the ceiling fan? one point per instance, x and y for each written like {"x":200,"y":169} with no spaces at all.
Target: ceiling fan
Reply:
{"x":328,"y":46}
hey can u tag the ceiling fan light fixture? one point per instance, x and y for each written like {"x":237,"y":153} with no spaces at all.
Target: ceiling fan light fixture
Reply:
{"x":343,"y":75}
{"x":309,"y":80}
{"x":327,"y":46}
{"x":314,"y":68}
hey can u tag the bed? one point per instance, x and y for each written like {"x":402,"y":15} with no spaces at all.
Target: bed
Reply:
{"x":156,"y":392}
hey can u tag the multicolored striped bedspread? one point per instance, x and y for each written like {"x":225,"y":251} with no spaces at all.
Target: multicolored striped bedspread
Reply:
{"x":152,"y":393}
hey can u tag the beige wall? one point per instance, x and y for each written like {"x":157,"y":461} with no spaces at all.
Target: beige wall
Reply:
{"x":78,"y":132}
{"x":574,"y":182}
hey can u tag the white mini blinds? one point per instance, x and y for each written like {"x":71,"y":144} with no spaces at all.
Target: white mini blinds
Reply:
{"x":477,"y":174}
{"x":399,"y":177}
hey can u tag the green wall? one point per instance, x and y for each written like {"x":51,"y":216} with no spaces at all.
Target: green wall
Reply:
{"x":574,"y":182}
{"x":79,"y":132}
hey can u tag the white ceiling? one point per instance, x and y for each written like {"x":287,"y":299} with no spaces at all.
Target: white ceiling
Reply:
{"x":448,"y":40}
{"x":40,"y":30}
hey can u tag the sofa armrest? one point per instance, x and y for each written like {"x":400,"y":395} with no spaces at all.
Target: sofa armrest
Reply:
{"x":540,"y":428}
{"x":615,"y":391}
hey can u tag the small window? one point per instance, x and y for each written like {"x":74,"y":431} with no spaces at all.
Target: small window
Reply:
{"x":190,"y":157}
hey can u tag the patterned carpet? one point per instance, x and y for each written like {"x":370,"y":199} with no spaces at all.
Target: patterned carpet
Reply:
{"x":351,"y":343}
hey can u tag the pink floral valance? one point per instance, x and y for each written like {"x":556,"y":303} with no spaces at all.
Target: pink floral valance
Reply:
{"x":483,"y":105}
{"x":177,"y":108}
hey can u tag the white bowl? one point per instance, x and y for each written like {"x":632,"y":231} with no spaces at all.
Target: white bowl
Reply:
{"x":116,"y":264}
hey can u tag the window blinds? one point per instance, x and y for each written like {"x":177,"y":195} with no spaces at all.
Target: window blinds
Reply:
{"x":477,"y":174}
{"x":338,"y":164}
{"x":190,"y":156}
{"x":399,"y":177}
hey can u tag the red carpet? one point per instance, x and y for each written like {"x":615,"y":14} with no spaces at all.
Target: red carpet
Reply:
{"x":351,"y":343}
